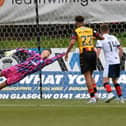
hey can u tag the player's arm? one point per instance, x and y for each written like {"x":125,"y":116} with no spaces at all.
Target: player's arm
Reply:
{"x":53,"y":59}
{"x":98,"y":51}
{"x":120,"y":51}
{"x":72,"y":42}
{"x":98,"y":36}
{"x":118,"y":45}
{"x":99,"y":47}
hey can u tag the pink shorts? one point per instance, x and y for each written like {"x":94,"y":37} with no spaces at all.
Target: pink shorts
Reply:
{"x":12,"y":75}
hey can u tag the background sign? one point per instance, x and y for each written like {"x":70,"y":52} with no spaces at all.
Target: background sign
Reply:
{"x":62,"y":11}
{"x":59,"y":82}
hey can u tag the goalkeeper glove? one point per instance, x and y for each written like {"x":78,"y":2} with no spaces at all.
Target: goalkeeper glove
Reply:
{"x":9,"y":53}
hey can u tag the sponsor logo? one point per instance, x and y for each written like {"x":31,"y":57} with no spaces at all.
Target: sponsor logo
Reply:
{"x":81,"y":2}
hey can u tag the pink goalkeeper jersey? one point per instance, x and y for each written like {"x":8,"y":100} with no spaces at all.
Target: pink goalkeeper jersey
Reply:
{"x":32,"y":64}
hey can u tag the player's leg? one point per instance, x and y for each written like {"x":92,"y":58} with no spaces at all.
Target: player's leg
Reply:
{"x":108,"y":88}
{"x":88,"y":78}
{"x":87,"y":73}
{"x":92,"y":61}
{"x":118,"y":89}
{"x":3,"y":85}
{"x":0,"y":74}
{"x":91,"y":66}
{"x":93,"y":82}
{"x":114,"y":73}
{"x":12,"y":76}
{"x":107,"y":85}
{"x":95,"y":88}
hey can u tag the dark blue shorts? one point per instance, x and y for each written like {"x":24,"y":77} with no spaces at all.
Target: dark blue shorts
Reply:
{"x":112,"y":71}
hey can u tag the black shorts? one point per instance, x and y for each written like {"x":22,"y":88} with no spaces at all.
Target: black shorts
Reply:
{"x":88,"y":61}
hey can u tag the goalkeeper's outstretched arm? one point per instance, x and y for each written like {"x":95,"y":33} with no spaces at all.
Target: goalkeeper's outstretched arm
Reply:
{"x":53,"y":59}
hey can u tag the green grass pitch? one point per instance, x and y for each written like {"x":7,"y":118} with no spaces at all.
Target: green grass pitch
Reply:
{"x":61,"y":113}
{"x":58,"y":112}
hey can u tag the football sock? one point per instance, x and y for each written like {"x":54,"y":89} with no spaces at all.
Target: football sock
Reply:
{"x":95,"y":88}
{"x":108,"y":87}
{"x":91,"y":92}
{"x":118,"y":89}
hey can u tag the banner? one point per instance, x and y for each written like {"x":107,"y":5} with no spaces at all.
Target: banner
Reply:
{"x":61,"y":80}
{"x":61,"y":11}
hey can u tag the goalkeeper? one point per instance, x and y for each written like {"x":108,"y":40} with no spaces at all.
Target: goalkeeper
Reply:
{"x":33,"y":63}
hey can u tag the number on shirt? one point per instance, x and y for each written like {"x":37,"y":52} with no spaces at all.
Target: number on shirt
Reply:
{"x":111,"y":45}
{"x":87,"y":40}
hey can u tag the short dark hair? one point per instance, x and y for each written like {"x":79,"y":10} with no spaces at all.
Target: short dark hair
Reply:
{"x":48,"y":50}
{"x":79,"y":19}
{"x":104,"y":27}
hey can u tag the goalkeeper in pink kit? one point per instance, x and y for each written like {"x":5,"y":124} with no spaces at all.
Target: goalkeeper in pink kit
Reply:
{"x":32,"y":64}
